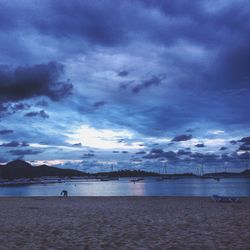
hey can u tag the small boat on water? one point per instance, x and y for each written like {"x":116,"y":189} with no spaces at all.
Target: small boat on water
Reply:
{"x":210,"y":177}
{"x":167,"y":178}
{"x":109,"y":178}
{"x":137,"y":180}
{"x":217,"y":178}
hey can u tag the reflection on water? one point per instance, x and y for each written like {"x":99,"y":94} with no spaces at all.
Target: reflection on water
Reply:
{"x":149,"y":187}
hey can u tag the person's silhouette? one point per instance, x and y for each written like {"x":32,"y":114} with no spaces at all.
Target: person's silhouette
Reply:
{"x":64,"y":193}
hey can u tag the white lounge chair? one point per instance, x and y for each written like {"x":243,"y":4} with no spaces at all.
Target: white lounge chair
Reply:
{"x":218,"y":198}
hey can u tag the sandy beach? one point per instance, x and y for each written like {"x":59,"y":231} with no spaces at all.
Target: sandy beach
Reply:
{"x":123,"y":223}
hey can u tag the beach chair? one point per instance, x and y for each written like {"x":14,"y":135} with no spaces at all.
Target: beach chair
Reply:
{"x":218,"y":198}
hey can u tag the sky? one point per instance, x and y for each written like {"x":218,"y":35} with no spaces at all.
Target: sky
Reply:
{"x":135,"y":84}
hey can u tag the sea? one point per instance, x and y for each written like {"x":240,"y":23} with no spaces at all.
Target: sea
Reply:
{"x":150,"y":186}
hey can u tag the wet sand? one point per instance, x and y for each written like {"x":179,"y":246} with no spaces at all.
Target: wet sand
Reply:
{"x":123,"y":223}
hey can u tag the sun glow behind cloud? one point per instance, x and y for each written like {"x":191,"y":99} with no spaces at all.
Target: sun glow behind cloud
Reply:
{"x":102,"y":138}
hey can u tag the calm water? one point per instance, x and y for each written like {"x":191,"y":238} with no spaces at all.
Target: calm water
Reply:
{"x":148,"y":187}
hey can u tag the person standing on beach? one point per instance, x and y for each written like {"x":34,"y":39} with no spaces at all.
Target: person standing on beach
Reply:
{"x":64,"y":193}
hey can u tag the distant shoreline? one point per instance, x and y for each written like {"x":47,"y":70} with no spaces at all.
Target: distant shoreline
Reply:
{"x":57,"y":179}
{"x":19,"y":169}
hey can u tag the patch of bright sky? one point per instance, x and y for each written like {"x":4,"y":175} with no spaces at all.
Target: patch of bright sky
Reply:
{"x":54,"y":162}
{"x":216,"y":132}
{"x":207,"y":142}
{"x":36,"y":145}
{"x":101,"y":138}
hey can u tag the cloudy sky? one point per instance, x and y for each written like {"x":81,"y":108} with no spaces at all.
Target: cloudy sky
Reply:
{"x":137,"y":84}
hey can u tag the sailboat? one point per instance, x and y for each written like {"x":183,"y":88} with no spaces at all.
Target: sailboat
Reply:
{"x":166,"y":176}
{"x":110,"y":178}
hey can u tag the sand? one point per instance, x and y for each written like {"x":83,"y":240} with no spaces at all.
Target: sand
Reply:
{"x":123,"y":223}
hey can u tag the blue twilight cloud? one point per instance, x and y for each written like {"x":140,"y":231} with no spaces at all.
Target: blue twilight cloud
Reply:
{"x":26,"y":82}
{"x":40,"y":113}
{"x":6,"y":131}
{"x":182,"y":138}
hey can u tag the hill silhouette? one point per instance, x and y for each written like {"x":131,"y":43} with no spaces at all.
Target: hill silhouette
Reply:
{"x":21,"y":169}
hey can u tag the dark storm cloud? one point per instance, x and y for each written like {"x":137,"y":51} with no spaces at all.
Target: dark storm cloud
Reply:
{"x":136,"y":160}
{"x":10,"y":144}
{"x":156,"y":151}
{"x":151,"y":120}
{"x":200,"y":145}
{"x":40,"y":113}
{"x":244,"y":147}
{"x":87,"y":155}
{"x":12,"y":108}
{"x":24,"y":144}
{"x":42,"y":103}
{"x":125,"y":85}
{"x":223,"y":148}
{"x":6,"y":131}
{"x":204,"y":157}
{"x":123,"y":73}
{"x":200,"y":26}
{"x":14,"y":144}
{"x":226,"y":157}
{"x":246,"y":140}
{"x":106,"y":24}
{"x":233,"y":142}
{"x":99,"y":104}
{"x":18,"y":107}
{"x":154,"y":81}
{"x":98,"y":23}
{"x":182,"y":138}
{"x":245,"y":156}
{"x":77,"y":144}
{"x":216,"y":73}
{"x":25,"y":82}
{"x":140,"y":152}
{"x":20,"y":152}
{"x":183,"y":152}
{"x":159,"y":153}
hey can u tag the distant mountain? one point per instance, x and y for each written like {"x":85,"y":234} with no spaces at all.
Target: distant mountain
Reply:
{"x":21,"y":169}
{"x":246,"y":173}
{"x":18,"y":163}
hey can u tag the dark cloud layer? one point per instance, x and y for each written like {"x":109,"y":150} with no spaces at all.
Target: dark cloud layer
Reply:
{"x":123,"y":73}
{"x":88,"y":155}
{"x":99,"y":104}
{"x":154,"y":81}
{"x":182,"y":138}
{"x":40,"y":113}
{"x":14,"y":144}
{"x":159,"y":153}
{"x":244,"y":147}
{"x":25,"y":82}
{"x":246,"y":140}
{"x":20,"y":152}
{"x":6,"y":131}
{"x":190,"y":35}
